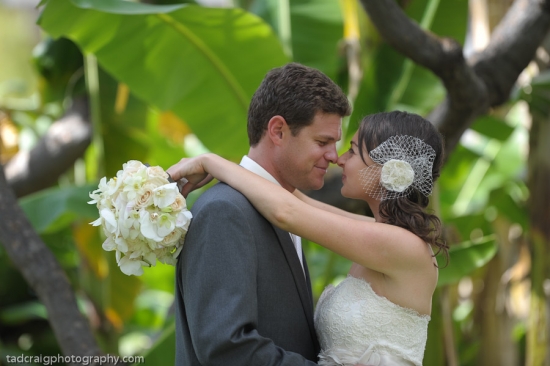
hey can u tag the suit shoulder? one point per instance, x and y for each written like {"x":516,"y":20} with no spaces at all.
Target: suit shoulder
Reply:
{"x":219,"y":195}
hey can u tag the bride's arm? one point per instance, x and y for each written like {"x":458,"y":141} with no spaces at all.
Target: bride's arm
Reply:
{"x":324,"y":206}
{"x":384,"y":248}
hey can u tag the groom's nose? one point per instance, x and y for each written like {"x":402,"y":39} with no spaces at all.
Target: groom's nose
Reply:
{"x":331,"y":155}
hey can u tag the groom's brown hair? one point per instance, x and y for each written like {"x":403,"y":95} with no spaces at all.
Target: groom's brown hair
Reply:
{"x":295,"y":92}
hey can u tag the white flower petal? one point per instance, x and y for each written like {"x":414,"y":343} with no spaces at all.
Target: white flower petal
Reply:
{"x":148,"y":228}
{"x":110,"y":220}
{"x":134,"y":233}
{"x":184,"y":219}
{"x":96,"y":222}
{"x":165,"y":195}
{"x":109,"y":244}
{"x":150,"y":258}
{"x":177,"y":252}
{"x":153,"y":245}
{"x":121,"y":244}
{"x":130,"y":267}
{"x":166,"y":224}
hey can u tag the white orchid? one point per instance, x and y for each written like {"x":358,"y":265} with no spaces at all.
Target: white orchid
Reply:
{"x":184,"y":219}
{"x":108,"y":219}
{"x":129,"y":223}
{"x":156,"y":225}
{"x":165,"y":195}
{"x":133,"y":183}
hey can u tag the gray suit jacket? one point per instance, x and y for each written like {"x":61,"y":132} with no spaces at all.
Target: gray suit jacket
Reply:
{"x":241,"y":294}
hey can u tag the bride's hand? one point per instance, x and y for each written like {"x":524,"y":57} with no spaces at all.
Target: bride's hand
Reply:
{"x":190,"y":174}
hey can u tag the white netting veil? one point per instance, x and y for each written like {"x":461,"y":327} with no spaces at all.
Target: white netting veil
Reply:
{"x":402,"y":163}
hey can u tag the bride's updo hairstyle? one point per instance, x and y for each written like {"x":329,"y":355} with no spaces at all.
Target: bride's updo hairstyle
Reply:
{"x":408,"y":210}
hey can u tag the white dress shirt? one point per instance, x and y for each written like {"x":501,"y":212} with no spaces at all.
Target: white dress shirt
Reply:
{"x":256,"y":168}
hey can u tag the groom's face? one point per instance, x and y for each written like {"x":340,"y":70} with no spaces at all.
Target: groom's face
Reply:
{"x":307,"y":155}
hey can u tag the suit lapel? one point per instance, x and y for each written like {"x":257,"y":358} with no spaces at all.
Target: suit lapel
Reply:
{"x":302,"y":283}
{"x":310,"y":296}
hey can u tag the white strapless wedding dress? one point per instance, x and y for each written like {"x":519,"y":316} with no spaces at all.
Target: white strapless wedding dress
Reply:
{"x":355,"y":325}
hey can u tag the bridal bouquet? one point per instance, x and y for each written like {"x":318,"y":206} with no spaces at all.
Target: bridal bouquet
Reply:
{"x":143,"y":215}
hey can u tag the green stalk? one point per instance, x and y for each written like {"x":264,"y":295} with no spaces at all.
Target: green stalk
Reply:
{"x":96,"y":169}
{"x":285,"y":28}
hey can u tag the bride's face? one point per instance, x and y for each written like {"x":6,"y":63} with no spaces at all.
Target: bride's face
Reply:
{"x":353,"y":170}
{"x":351,"y":164}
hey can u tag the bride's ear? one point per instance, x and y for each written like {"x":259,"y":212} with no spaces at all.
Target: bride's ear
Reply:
{"x":277,"y":129}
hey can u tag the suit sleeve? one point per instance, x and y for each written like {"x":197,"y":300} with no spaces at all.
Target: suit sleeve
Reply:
{"x":220,"y":292}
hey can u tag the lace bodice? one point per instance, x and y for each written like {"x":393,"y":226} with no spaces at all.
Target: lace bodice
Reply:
{"x":355,"y":324}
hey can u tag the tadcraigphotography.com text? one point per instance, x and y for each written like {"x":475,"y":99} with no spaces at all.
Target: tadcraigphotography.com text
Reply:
{"x":82,"y":360}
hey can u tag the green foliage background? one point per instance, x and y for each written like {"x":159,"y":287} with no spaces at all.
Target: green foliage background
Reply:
{"x":173,"y":80}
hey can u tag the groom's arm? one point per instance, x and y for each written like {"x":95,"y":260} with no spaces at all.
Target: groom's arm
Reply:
{"x":220,"y":292}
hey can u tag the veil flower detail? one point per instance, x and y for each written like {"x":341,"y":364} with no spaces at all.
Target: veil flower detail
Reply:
{"x":402,"y":163}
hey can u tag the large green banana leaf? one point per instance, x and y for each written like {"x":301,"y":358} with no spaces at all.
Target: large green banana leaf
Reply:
{"x":201,"y":63}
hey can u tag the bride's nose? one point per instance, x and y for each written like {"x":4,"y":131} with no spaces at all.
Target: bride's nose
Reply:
{"x":342,"y":160}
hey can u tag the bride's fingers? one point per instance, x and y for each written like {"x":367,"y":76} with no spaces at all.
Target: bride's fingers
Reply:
{"x":204,"y":182}
{"x":189,"y":186}
{"x":181,"y":169}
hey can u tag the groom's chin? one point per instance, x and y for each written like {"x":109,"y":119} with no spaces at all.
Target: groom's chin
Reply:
{"x":315,"y":186}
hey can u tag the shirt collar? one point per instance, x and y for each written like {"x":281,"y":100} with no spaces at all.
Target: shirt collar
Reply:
{"x":256,"y":168}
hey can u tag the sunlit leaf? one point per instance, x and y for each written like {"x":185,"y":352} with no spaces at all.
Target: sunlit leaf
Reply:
{"x":493,"y":127}
{"x":453,"y":176}
{"x":468,"y":227}
{"x":23,"y":313}
{"x":465,"y":258}
{"x":163,"y":352}
{"x":508,"y":207}
{"x":55,"y":208}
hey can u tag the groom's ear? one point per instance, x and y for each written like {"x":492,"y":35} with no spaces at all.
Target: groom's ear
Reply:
{"x":277,"y":129}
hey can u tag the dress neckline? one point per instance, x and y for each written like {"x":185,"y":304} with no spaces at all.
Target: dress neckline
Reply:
{"x":386,"y":300}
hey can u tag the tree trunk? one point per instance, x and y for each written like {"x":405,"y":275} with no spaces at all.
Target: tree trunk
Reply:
{"x":45,"y":276}
{"x":65,"y":142}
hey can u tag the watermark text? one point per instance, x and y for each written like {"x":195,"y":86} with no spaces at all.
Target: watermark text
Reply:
{"x":82,"y":360}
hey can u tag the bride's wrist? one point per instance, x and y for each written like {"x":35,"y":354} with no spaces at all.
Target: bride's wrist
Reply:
{"x":206,"y":162}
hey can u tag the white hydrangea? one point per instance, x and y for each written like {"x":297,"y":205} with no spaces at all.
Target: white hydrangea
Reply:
{"x":143,"y":215}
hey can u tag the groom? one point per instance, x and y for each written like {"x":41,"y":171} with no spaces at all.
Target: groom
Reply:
{"x":243,"y":292}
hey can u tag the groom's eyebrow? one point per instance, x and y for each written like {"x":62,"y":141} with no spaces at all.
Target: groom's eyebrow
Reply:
{"x":327,"y":138}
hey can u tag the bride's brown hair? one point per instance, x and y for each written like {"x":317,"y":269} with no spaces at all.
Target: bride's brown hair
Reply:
{"x":409,"y":211}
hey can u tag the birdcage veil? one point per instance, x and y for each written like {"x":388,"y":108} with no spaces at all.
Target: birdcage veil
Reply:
{"x":402,"y":163}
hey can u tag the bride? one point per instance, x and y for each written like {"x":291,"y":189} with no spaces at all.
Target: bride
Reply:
{"x":379,"y":314}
